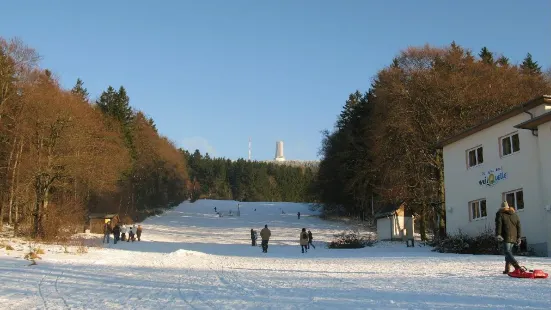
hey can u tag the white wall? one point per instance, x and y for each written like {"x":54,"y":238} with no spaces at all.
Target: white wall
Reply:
{"x":384,"y":229}
{"x":523,"y":171}
{"x":544,"y":143}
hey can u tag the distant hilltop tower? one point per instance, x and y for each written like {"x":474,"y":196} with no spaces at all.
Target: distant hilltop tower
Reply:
{"x":279,"y":151}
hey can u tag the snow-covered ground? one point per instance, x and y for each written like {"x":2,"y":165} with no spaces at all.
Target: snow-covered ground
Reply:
{"x":189,"y":258}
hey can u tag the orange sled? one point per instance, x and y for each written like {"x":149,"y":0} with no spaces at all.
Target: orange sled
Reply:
{"x":529,"y":274}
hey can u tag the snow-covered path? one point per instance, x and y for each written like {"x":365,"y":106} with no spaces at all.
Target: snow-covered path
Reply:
{"x":191,"y":259}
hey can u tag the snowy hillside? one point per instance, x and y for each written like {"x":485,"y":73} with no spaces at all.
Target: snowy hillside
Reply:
{"x":189,"y":258}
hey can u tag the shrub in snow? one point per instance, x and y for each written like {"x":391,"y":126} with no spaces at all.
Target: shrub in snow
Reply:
{"x":461,"y":243}
{"x":7,"y":246}
{"x":33,"y":254}
{"x":351,"y":240}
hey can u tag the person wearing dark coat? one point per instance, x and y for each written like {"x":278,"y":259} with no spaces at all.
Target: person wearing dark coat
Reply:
{"x":116,"y":233}
{"x":310,"y":238}
{"x":508,"y":231}
{"x":253,"y":237}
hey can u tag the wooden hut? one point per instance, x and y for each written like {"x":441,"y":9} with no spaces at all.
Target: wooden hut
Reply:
{"x":97,"y":220}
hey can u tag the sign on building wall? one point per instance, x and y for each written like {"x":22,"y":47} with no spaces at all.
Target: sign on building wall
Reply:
{"x":492,"y":177}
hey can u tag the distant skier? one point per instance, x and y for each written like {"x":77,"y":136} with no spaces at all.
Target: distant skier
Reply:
{"x":265,"y":234}
{"x":303,"y":240}
{"x":298,"y":214}
{"x":508,"y":231}
{"x":310,"y":238}
{"x":253,"y":237}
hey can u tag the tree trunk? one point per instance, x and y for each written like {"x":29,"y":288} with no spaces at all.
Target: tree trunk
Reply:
{"x":15,"y":176}
{"x":37,"y":203}
{"x":423,"y":223}
{"x":2,"y":201}
{"x":441,"y":194}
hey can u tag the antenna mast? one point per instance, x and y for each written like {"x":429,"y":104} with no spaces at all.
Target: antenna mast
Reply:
{"x":249,"y":149}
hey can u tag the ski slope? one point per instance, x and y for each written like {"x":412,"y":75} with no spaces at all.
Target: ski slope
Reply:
{"x":189,"y":258}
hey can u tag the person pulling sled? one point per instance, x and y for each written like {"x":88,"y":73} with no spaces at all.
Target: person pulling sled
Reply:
{"x":508,"y":231}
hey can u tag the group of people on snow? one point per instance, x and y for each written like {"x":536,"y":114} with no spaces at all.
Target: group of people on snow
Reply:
{"x":120,"y":232}
{"x":305,"y":239}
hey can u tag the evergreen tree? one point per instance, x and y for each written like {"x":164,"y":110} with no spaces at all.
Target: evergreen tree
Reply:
{"x":243,"y":180}
{"x":530,"y":66}
{"x":486,"y":56}
{"x":503,"y":61}
{"x":116,"y":104}
{"x":80,"y":91}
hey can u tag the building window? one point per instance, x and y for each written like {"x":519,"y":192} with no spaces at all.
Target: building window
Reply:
{"x":475,"y":156}
{"x":515,"y":199}
{"x":478,"y":209}
{"x":510,"y":144}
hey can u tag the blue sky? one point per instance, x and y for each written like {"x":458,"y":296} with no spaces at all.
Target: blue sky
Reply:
{"x":214,"y":73}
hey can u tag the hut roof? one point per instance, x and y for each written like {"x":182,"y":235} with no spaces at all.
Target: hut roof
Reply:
{"x":388,"y":209}
{"x":101,"y":215}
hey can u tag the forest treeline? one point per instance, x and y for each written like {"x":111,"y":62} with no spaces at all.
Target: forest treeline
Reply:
{"x":243,"y":180}
{"x":63,"y":156}
{"x":383,"y":146}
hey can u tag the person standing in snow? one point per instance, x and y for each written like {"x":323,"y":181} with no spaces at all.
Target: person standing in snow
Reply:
{"x":303,"y":240}
{"x":253,"y":237}
{"x":130,"y":234}
{"x":310,"y":238}
{"x":107,"y":230}
{"x":265,"y":234}
{"x":508,"y":231}
{"x":116,"y":233}
{"x":124,"y":230}
{"x":139,"y":232}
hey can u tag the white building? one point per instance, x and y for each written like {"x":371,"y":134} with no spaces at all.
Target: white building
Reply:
{"x":507,"y":157}
{"x":394,"y":222}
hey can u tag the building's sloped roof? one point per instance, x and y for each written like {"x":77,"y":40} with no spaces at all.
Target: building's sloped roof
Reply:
{"x":497,"y":119}
{"x":387,"y":210}
{"x":533,"y":123}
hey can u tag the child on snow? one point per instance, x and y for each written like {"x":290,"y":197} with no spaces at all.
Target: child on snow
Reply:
{"x":310,"y":238}
{"x":253,"y":237}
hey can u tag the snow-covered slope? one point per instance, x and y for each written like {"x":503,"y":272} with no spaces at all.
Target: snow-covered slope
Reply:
{"x":189,"y":258}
